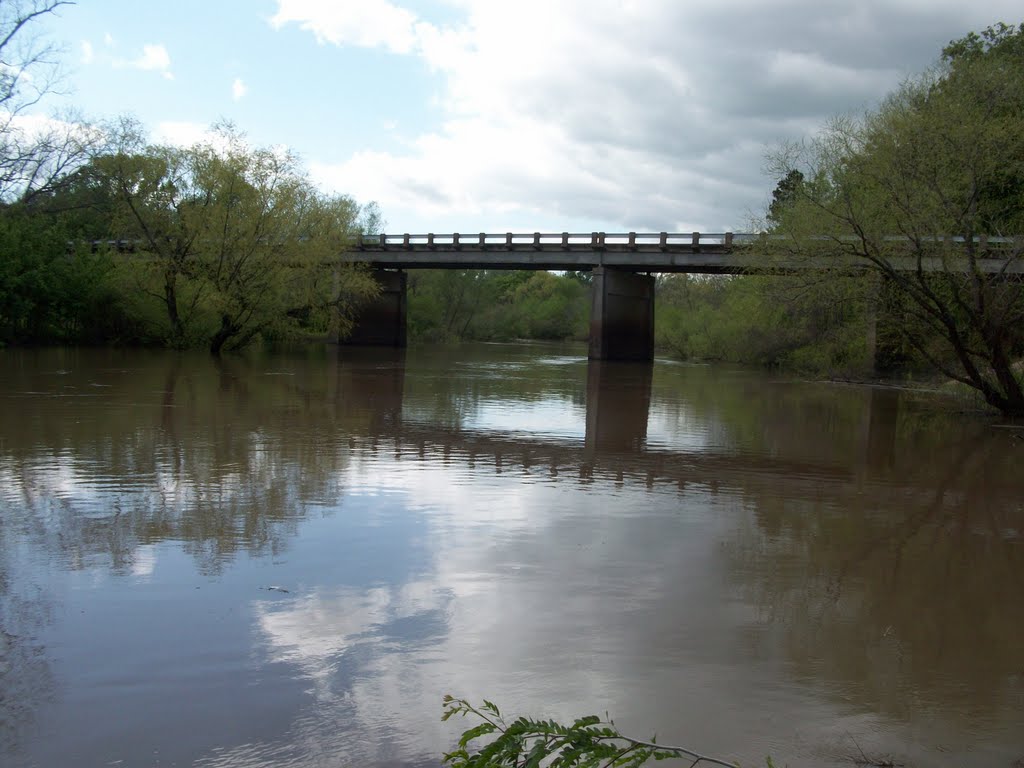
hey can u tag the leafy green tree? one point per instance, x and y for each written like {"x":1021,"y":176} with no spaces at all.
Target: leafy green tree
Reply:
{"x":48,"y":291}
{"x":235,"y":241}
{"x":941,"y":158}
{"x":785,"y":192}
{"x":809,"y":324}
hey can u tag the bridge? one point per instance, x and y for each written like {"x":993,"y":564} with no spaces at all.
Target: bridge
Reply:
{"x":622,"y":265}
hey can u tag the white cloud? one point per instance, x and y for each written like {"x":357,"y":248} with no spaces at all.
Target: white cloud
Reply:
{"x":367,"y":23}
{"x":154,"y":58}
{"x":87,"y":52}
{"x":648,"y":115}
{"x":238,"y":89}
{"x":181,"y":133}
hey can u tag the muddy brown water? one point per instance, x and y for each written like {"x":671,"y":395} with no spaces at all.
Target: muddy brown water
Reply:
{"x":287,"y":560}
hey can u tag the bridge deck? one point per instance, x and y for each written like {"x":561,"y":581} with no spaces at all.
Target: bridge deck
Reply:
{"x":723,"y":253}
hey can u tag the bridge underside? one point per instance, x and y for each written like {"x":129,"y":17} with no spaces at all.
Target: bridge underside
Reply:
{"x":621,"y":315}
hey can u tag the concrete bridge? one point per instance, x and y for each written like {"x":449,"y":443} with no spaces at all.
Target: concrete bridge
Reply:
{"x":623,"y":267}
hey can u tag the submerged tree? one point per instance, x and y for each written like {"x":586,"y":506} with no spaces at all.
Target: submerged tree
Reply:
{"x":238,"y":241}
{"x":928,"y":192}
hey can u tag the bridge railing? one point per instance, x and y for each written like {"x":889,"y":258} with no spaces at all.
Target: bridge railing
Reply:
{"x":619,"y":240}
{"x":552,"y":240}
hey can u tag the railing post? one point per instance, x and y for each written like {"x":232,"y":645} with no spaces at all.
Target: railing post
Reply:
{"x":728,"y":239}
{"x":405,"y":241}
{"x":508,"y":240}
{"x":663,"y":241}
{"x":632,"y":241}
{"x":565,"y":241}
{"x":483,"y":239}
{"x":455,"y":241}
{"x":430,"y":240}
{"x":536,"y":241}
{"x":695,"y":242}
{"x":382,"y":240}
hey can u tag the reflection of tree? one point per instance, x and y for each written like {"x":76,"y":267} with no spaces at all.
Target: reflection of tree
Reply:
{"x":25,"y":675}
{"x":222,"y":457}
{"x":905,"y":598}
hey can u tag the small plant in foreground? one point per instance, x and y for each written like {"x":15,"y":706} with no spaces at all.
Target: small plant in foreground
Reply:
{"x":589,"y":742}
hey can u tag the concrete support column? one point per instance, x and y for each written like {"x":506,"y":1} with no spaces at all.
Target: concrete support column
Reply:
{"x":621,"y":315}
{"x":381,"y":322}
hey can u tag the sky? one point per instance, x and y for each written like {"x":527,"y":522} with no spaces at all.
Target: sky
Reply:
{"x":493,"y":115}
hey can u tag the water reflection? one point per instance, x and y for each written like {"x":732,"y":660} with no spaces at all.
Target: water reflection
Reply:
{"x":618,"y":405}
{"x":309,"y":551}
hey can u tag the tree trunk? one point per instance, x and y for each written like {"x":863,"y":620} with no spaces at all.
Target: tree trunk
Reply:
{"x":173,"y":316}
{"x":224,"y":333}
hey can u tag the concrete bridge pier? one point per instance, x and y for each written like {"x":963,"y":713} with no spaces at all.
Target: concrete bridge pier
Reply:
{"x":621,"y":315}
{"x":381,"y":322}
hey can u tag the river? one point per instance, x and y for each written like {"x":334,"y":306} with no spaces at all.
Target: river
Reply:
{"x":287,"y":560}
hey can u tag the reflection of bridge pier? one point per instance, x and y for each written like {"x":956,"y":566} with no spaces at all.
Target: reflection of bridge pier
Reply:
{"x":618,"y":401}
{"x":878,"y":431}
{"x":371,"y":382}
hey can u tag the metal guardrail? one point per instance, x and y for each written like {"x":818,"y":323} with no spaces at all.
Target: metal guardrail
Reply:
{"x":598,"y":240}
{"x":552,"y":240}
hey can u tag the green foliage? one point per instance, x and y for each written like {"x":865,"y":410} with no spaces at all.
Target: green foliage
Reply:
{"x":943,"y":156}
{"x":229,"y":243}
{"x":497,"y":305}
{"x":589,"y":742}
{"x":49,"y":292}
{"x":803,"y":324}
{"x":235,"y":242}
{"x":784,"y":194}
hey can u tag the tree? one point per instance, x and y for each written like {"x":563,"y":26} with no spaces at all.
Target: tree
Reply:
{"x":942,"y":158}
{"x":237,"y":240}
{"x":35,"y":153}
{"x":784,"y":194}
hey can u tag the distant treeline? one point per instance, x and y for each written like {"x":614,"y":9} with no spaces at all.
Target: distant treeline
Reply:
{"x":497,"y":305}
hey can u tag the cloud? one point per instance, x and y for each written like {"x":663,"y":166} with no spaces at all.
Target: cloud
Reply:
{"x":630,"y":115}
{"x":154,"y":58}
{"x":366,"y":23}
{"x":238,"y":89}
{"x":181,"y":133}
{"x":87,"y":52}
